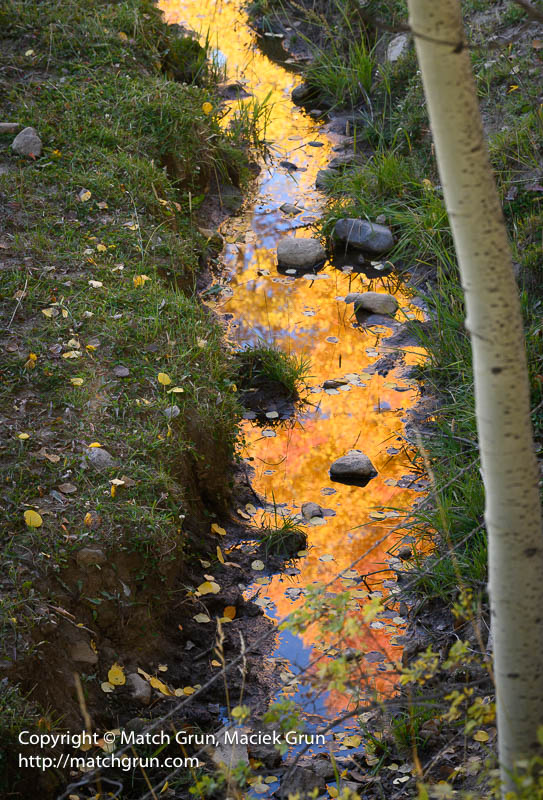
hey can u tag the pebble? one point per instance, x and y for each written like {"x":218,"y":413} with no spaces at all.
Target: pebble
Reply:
{"x":27,"y":143}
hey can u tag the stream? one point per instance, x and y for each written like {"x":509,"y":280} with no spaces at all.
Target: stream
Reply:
{"x":307,"y":315}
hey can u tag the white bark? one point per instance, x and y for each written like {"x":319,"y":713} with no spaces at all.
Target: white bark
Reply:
{"x":509,"y":466}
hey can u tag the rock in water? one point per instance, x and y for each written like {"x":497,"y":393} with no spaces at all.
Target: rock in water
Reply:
{"x":310,"y":510}
{"x":354,"y":468}
{"x":363,"y":235}
{"x":27,"y":143}
{"x":373,"y":302}
{"x":300,"y":253}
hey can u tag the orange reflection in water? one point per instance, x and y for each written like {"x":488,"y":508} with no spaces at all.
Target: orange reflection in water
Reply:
{"x":307,"y":316}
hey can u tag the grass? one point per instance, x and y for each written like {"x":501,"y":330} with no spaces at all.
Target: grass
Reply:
{"x":101,"y":254}
{"x":268,"y":367}
{"x":284,"y":538}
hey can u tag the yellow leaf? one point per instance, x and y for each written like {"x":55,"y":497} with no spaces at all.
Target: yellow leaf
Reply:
{"x":101,"y":248}
{"x":95,"y":444}
{"x":250,"y":508}
{"x":122,"y":36}
{"x":189,"y":690}
{"x":164,"y":379}
{"x":162,"y":668}
{"x":95,"y":284}
{"x":93,"y":645}
{"x":352,"y":741}
{"x":219,"y":551}
{"x":332,"y":791}
{"x":84,"y":195}
{"x":230,"y":612}
{"x":33,"y":519}
{"x":164,"y":787}
{"x":257,"y":565}
{"x":202,"y":618}
{"x":77,"y":381}
{"x":27,"y":436}
{"x":481,"y":736}
{"x":157,"y":684}
{"x":72,"y":354}
{"x":207,"y":108}
{"x":217,"y":529}
{"x":215,"y":663}
{"x":116,"y":675}
{"x":49,"y":312}
{"x":209,"y":587}
{"x":113,"y":490}
{"x":107,"y":687}
{"x":139,"y":280}
{"x":145,"y":674}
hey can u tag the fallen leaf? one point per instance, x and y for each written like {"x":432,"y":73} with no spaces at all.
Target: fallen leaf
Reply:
{"x":207,"y":108}
{"x":481,"y":736}
{"x":257,"y":565}
{"x":77,"y":381}
{"x":72,"y":354}
{"x":230,"y":612}
{"x":201,"y":618}
{"x":95,"y":284}
{"x":164,"y":379}
{"x":217,"y":529}
{"x":162,"y":668}
{"x":116,"y":675}
{"x":220,"y":555}
{"x":84,"y":195}
{"x":175,"y":390}
{"x":162,"y":688}
{"x":67,"y":488}
{"x":26,"y":436}
{"x":139,"y":280}
{"x":209,"y":587}
{"x":107,"y":687}
{"x":32,"y":519}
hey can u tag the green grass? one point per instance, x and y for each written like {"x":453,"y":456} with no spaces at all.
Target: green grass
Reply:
{"x":284,"y":538}
{"x":101,"y":251}
{"x":267,"y":366}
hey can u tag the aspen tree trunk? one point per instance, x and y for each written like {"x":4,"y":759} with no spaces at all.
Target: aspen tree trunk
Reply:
{"x":493,"y":319}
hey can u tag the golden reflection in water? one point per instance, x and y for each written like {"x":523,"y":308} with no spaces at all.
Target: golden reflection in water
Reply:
{"x":308,"y":316}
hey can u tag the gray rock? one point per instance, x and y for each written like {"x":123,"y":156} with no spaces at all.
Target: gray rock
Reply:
{"x":363,"y":235}
{"x":27,"y":143}
{"x":300,"y":253}
{"x":88,"y":556}
{"x":99,"y":458}
{"x":398,"y":48}
{"x":83,"y":652}
{"x":230,"y":753}
{"x":172,"y":412}
{"x":121,"y":372}
{"x":373,"y":302}
{"x":288,"y":208}
{"x":9,"y":127}
{"x":324,"y":177}
{"x":302,"y":781}
{"x":310,"y":510}
{"x":344,"y":160}
{"x":302,"y":94}
{"x":334,"y":384}
{"x":353,"y":468}
{"x":140,"y":689}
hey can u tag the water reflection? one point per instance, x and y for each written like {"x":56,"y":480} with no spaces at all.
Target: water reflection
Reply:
{"x":306,"y":314}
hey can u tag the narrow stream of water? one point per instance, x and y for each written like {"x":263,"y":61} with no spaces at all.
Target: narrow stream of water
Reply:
{"x":307,"y":315}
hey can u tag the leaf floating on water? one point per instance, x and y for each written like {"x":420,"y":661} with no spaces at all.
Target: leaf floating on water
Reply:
{"x":116,"y":675}
{"x":250,"y":508}
{"x":326,"y":557}
{"x":268,"y":433}
{"x":33,"y":519}
{"x":332,"y":339}
{"x":257,"y":565}
{"x":377,"y":515}
{"x":242,"y":513}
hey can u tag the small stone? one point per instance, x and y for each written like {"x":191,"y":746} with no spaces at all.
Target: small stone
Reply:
{"x":354,"y":468}
{"x":288,"y":208}
{"x":172,"y":412}
{"x":381,"y":219}
{"x":9,"y":127}
{"x":373,"y":302}
{"x":310,"y":510}
{"x":27,"y":143}
{"x":363,"y":235}
{"x":303,"y":781}
{"x":230,"y":752}
{"x":121,"y":372}
{"x":140,"y":689}
{"x":288,"y":165}
{"x":89,"y":556}
{"x":405,"y":553}
{"x":83,"y":652}
{"x":302,"y":94}
{"x":324,"y":177}
{"x":300,"y":253}
{"x":334,"y":384}
{"x":99,"y":458}
{"x":398,"y":48}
